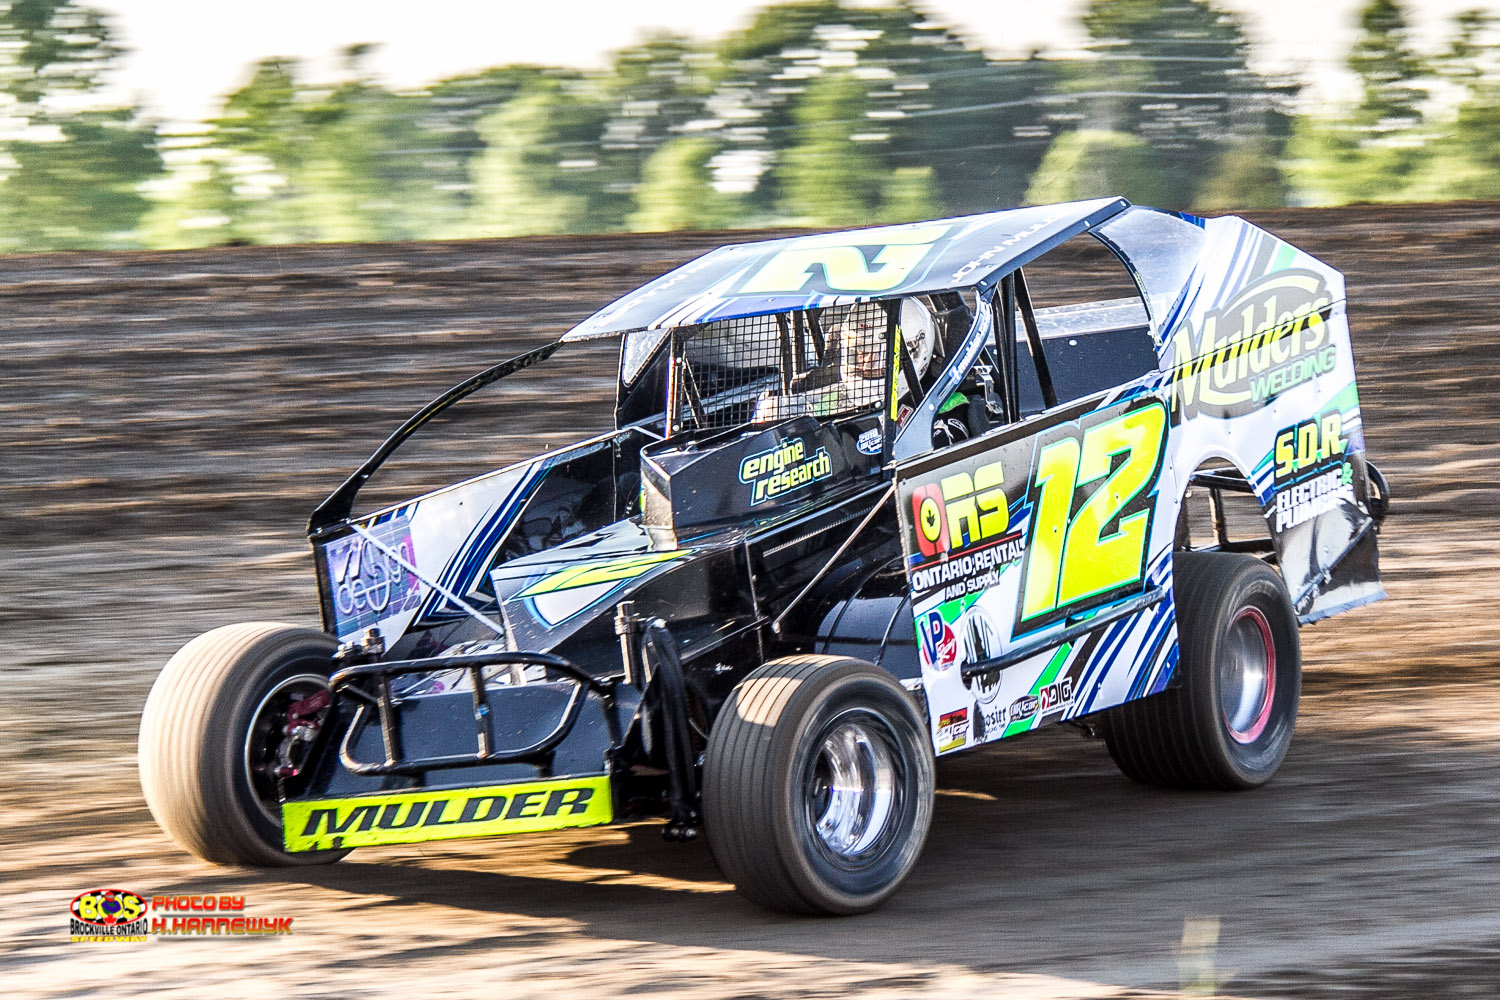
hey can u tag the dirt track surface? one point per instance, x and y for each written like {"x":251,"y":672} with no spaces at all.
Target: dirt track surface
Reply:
{"x":170,"y":419}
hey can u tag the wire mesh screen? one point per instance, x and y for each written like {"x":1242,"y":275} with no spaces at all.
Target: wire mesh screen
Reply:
{"x":820,"y":363}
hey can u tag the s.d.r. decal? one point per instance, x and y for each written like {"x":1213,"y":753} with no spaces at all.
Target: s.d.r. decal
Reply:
{"x":412,"y":817}
{"x":1271,"y":337}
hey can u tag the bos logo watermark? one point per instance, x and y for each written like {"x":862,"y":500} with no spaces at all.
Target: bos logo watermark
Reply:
{"x":115,"y":915}
{"x":107,"y":915}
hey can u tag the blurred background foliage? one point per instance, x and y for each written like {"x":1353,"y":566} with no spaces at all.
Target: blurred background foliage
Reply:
{"x":816,"y":113}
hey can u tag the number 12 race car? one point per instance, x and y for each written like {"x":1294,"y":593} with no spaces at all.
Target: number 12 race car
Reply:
{"x":873,"y":497}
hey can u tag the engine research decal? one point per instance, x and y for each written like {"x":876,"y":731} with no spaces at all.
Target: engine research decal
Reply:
{"x":413,"y":817}
{"x":782,"y":469}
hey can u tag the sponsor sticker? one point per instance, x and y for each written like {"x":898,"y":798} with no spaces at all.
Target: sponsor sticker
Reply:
{"x":368,"y":584}
{"x":783,"y":469}
{"x":1313,"y":497}
{"x":953,"y":730}
{"x":560,"y":595}
{"x":413,"y":817}
{"x":939,"y":643}
{"x":868,"y":443}
{"x":1024,"y":707}
{"x":1271,"y":337}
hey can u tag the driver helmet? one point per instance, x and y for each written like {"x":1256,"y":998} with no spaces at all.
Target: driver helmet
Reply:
{"x":919,"y":337}
{"x":863,"y":336}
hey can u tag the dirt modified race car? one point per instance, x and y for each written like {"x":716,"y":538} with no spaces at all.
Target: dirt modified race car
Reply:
{"x":872,"y":497}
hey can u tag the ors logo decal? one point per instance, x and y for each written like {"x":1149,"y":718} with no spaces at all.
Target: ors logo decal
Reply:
{"x":960,"y":510}
{"x":1271,"y":337}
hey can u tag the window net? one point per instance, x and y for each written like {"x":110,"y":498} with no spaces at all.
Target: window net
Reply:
{"x":760,"y":369}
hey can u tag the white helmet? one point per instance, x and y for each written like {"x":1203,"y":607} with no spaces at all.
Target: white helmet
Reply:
{"x":918,"y":335}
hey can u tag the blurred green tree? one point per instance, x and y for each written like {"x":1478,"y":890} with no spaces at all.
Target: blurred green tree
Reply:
{"x":1175,"y":73}
{"x":288,"y":162}
{"x":677,"y":192}
{"x":73,"y":170}
{"x":922,"y":98}
{"x":1376,"y":150}
{"x":1093,"y":163}
{"x":910,"y":194}
{"x":543,"y":169}
{"x":1464,"y":161}
{"x":829,"y":177}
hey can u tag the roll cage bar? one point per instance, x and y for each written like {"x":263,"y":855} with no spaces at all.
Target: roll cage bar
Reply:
{"x":1011,"y":293}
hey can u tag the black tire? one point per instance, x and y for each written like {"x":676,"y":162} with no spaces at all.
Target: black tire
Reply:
{"x":1226,"y":721}
{"x":210,"y":729}
{"x":766,"y":785}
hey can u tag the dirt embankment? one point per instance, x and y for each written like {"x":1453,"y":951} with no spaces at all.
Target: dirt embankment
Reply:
{"x":170,"y":419}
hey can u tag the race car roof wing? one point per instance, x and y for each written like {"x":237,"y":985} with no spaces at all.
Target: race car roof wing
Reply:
{"x":834,"y":269}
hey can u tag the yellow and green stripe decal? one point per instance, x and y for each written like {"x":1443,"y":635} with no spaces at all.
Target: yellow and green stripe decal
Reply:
{"x":608,"y":571}
{"x":445,"y":814}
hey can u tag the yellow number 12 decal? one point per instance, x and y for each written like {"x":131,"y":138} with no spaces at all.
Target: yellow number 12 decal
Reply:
{"x":1091,"y":512}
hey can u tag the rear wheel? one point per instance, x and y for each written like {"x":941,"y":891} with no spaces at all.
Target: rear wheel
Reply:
{"x":1228,"y":720}
{"x":226,"y":734}
{"x":817,"y":787}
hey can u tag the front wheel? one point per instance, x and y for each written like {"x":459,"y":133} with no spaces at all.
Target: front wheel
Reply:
{"x":1228,"y":720}
{"x":817,"y":785}
{"x":226,"y":735}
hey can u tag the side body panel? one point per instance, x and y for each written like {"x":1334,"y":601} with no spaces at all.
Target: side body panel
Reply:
{"x":1039,"y":556}
{"x":1261,"y":376}
{"x":1039,"y":559}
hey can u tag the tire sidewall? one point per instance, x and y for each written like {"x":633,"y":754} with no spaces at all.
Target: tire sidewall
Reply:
{"x":259,"y":670}
{"x":1259,"y":587}
{"x":794,"y":748}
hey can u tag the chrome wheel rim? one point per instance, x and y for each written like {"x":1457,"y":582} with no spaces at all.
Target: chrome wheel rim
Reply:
{"x":1247,"y":679}
{"x":264,"y":736}
{"x":853,"y":795}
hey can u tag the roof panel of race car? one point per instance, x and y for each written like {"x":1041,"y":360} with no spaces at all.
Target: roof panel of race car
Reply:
{"x":831,"y":269}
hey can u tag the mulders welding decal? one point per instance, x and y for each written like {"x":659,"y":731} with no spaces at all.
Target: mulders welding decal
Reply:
{"x":564,"y":593}
{"x":1270,"y":337}
{"x":412,"y":817}
{"x":1019,"y":537}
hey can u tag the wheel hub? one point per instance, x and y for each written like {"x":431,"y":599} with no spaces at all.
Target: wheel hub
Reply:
{"x":1247,"y":682}
{"x":282,"y":731}
{"x":851,"y":794}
